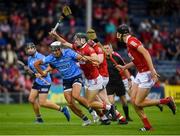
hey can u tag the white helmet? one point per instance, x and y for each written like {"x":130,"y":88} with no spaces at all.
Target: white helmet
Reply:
{"x":55,"y":45}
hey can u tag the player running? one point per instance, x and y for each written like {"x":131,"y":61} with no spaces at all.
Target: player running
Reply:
{"x":64,"y":60}
{"x":145,"y":78}
{"x":103,"y":70}
{"x":91,"y":72}
{"x":39,"y":92}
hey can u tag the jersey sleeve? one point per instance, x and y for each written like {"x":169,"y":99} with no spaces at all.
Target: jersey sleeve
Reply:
{"x":99,"y":50}
{"x":72,"y":54}
{"x":134,"y":43}
{"x":90,"y":51}
{"x":48,"y":59}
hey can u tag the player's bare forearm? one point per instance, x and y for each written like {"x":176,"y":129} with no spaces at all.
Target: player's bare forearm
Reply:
{"x":38,"y":68}
{"x":129,"y":65}
{"x":60,"y":39}
{"x":127,"y":74}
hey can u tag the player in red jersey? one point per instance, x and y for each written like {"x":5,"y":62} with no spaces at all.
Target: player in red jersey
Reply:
{"x":90,"y":69}
{"x":103,"y":70}
{"x":145,"y":78}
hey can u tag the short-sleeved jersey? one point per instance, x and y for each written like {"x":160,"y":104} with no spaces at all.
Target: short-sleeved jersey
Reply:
{"x":65,"y":64}
{"x":114,"y":75}
{"x":121,"y":72}
{"x":103,"y":71}
{"x":136,"y":57}
{"x":90,"y":71}
{"x":31,"y":60}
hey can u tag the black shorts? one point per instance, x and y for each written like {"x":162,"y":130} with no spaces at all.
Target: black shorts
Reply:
{"x":41,"y":88}
{"x":68,"y":83}
{"x":117,"y":89}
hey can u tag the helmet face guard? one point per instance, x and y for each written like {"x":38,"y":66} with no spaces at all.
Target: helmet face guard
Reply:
{"x":80,"y":39}
{"x":56,"y":46}
{"x":123,"y":30}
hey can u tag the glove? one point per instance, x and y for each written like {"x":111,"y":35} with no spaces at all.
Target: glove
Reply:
{"x":91,"y":34}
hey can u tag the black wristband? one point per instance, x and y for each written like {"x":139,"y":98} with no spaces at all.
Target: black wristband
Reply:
{"x":96,"y":40}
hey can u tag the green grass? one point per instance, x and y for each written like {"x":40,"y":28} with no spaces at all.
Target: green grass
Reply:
{"x":18,"y":119}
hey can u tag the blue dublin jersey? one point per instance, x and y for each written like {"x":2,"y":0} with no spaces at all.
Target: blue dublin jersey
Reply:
{"x":31,"y":60}
{"x":65,"y":64}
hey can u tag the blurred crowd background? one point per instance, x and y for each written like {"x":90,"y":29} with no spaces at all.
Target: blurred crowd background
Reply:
{"x":155,"y":22}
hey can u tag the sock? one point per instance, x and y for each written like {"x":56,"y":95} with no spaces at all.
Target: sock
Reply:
{"x":126,"y":111}
{"x":164,"y":101}
{"x":146,"y":123}
{"x":90,"y":110}
{"x":38,"y":116}
{"x":84,"y":118}
{"x":104,"y":117}
{"x":60,"y":109}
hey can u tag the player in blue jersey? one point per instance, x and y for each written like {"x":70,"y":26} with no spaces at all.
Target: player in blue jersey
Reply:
{"x":64,"y":60}
{"x":39,"y":92}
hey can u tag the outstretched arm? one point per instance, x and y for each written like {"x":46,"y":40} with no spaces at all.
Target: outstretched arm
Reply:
{"x":60,"y":39}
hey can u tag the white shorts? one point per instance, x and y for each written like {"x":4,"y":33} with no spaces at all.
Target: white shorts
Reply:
{"x":105,"y":81}
{"x":144,"y":80}
{"x":126,"y":85}
{"x":95,"y":84}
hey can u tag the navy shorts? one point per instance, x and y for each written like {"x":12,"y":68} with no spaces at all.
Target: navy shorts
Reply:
{"x":41,"y":88}
{"x":68,"y":83}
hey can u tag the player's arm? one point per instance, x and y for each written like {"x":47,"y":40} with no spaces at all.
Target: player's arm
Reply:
{"x":100,"y":58}
{"x":60,"y":39}
{"x":148,"y":59}
{"x":38,"y":64}
{"x":93,"y":57}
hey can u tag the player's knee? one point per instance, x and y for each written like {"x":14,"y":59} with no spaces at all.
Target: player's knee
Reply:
{"x":75,"y":96}
{"x":137,"y":104}
{"x":42,"y":103}
{"x":31,"y":100}
{"x":132,"y":101}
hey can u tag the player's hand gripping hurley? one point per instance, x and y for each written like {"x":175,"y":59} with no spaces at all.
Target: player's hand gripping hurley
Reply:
{"x":30,"y":71}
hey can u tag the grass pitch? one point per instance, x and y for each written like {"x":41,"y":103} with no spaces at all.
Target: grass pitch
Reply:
{"x":18,"y":120}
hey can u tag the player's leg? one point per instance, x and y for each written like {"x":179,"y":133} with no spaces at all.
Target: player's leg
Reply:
{"x":111,"y":90}
{"x":76,"y":94}
{"x":74,"y":107}
{"x":139,"y":110}
{"x":144,"y":87}
{"x":33,"y":100}
{"x":125,"y":107}
{"x":44,"y":102}
{"x":111,"y":98}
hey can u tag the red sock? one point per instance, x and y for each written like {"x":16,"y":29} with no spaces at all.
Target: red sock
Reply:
{"x":146,"y":123}
{"x":164,"y":101}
